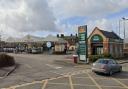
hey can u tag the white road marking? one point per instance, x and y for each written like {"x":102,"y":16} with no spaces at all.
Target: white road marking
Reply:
{"x":53,"y":66}
{"x":57,"y":73}
{"x":28,"y":66}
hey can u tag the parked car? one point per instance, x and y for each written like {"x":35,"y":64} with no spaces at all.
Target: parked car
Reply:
{"x":106,"y":66}
{"x":37,"y":50}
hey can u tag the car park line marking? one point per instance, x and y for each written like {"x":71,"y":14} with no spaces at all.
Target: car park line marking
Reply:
{"x":22,"y":85}
{"x":64,"y":75}
{"x":56,"y":78}
{"x":78,"y":72}
{"x":1,"y":77}
{"x":71,"y":83}
{"x":109,"y":78}
{"x":56,"y":73}
{"x":122,"y":79}
{"x":114,"y":86}
{"x":94,"y":81}
{"x":59,"y":83}
{"x":84,"y":85}
{"x":27,"y":65}
{"x":82,"y":77}
{"x":53,"y":66}
{"x":125,"y":86}
{"x":101,"y":78}
{"x":45,"y":84}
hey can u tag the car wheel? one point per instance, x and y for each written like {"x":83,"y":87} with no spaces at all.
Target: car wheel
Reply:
{"x":120,"y":69}
{"x":111,"y":72}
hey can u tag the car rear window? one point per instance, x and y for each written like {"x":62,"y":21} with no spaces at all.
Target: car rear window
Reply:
{"x":102,"y":61}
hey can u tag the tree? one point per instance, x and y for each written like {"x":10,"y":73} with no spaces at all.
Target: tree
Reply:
{"x":58,"y":36}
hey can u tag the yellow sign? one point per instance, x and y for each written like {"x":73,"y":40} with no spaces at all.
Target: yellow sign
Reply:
{"x":81,"y":30}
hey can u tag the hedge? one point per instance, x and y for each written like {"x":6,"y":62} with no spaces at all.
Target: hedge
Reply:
{"x":6,"y":60}
{"x":93,"y":58}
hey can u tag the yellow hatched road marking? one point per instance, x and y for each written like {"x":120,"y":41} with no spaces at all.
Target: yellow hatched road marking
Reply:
{"x":113,"y":86}
{"x":59,"y":83}
{"x":94,"y":81}
{"x":125,"y":86}
{"x":22,"y":85}
{"x":84,"y":85}
{"x":45,"y":84}
{"x":70,"y":81}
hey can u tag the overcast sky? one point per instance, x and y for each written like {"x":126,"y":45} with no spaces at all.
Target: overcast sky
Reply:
{"x":44,"y":17}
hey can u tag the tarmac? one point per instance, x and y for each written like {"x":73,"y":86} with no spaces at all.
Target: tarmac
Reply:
{"x":84,"y":79}
{"x":80,"y":79}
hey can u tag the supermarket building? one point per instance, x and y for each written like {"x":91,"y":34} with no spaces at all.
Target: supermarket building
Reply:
{"x":104,"y":42}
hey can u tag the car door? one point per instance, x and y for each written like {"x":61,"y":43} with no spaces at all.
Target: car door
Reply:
{"x":112,"y":66}
{"x":115,"y":66}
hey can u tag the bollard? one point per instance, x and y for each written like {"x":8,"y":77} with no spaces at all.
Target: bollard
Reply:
{"x":75,"y":58}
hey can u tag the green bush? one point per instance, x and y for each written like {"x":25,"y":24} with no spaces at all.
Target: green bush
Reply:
{"x":6,"y":60}
{"x":93,"y":58}
{"x":106,"y":55}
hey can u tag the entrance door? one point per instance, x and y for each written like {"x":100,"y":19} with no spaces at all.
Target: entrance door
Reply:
{"x":97,"y":49}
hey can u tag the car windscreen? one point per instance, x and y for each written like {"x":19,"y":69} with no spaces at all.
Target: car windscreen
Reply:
{"x":102,"y":61}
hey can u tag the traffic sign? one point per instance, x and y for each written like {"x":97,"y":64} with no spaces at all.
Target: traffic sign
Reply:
{"x":49,"y":44}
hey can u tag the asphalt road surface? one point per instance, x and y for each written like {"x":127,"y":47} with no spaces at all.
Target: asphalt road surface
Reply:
{"x":59,"y":72}
{"x":38,"y":67}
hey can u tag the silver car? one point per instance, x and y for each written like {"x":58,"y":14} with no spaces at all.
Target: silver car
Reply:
{"x":106,"y":66}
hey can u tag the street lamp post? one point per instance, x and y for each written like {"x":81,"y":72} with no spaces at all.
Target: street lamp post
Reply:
{"x":119,"y":26}
{"x":124,"y":19}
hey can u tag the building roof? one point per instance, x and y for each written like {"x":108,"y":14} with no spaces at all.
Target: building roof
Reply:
{"x":110,"y":34}
{"x":30,"y":38}
{"x":54,"y":39}
{"x":12,"y":39}
{"x":27,"y":38}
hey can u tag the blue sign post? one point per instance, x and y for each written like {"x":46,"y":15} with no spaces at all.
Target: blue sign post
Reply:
{"x":83,"y":50}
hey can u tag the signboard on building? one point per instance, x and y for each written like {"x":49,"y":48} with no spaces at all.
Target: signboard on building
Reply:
{"x":97,"y":38}
{"x":82,"y":33}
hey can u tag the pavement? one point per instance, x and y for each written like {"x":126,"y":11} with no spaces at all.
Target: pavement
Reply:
{"x":5,"y":71}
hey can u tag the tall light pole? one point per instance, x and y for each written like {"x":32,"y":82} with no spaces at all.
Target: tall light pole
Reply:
{"x":119,"y":26}
{"x":0,"y":32}
{"x":124,"y":19}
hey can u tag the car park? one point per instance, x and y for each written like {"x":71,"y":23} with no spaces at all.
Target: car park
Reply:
{"x":106,"y":66}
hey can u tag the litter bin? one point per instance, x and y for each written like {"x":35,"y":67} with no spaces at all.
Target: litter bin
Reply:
{"x":75,"y":58}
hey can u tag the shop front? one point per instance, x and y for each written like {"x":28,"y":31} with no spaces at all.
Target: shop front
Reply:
{"x":104,"y":42}
{"x":97,"y":45}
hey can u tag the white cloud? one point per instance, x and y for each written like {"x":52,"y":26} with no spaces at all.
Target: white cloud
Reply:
{"x":89,"y":8}
{"x":103,"y":24}
{"x":29,"y":16}
{"x":26,"y":15}
{"x":95,"y":10}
